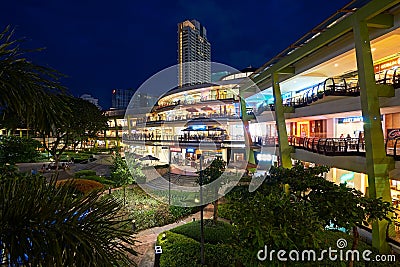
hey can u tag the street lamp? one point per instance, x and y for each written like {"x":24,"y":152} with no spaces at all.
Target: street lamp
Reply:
{"x":201,"y":210}
{"x":169,"y":173}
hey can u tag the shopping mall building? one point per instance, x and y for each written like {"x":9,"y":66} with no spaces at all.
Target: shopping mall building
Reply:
{"x":336,"y":102}
{"x":331,"y":98}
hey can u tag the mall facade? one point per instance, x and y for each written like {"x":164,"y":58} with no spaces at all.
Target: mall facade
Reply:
{"x":191,"y":120}
{"x":331,"y":98}
{"x":335,"y":100}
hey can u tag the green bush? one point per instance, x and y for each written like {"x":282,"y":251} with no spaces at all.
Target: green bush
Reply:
{"x":99,"y":179}
{"x":180,"y":212}
{"x":180,"y":250}
{"x":83,"y":173}
{"x":225,"y":211}
{"x":213,"y":234}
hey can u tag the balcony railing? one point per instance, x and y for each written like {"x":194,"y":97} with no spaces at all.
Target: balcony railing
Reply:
{"x":186,"y":117}
{"x":148,"y":137}
{"x":341,"y":146}
{"x":338,"y":87}
{"x":203,"y":100}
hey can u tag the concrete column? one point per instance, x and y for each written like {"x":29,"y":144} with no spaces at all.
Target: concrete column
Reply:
{"x":378,"y":164}
{"x":246,"y":131}
{"x":284,"y":148}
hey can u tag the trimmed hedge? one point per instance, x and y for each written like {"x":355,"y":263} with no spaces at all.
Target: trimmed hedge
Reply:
{"x":213,"y":234}
{"x":180,"y":250}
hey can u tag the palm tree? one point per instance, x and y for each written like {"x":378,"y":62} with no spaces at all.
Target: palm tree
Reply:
{"x":44,"y":224}
{"x":25,"y":87}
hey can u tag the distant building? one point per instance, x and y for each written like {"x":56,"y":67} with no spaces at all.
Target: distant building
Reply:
{"x":194,"y":47}
{"x":143,"y":100}
{"x":121,"y":98}
{"x":91,"y":99}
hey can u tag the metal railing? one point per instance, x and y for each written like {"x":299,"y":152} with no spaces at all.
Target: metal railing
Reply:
{"x":341,"y":146}
{"x":338,"y":87}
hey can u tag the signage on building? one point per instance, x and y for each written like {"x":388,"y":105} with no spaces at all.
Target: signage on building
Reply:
{"x":190,"y":150}
{"x":393,"y":133}
{"x":387,"y":64}
{"x":350,"y":119}
{"x":198,"y":127}
{"x":175,"y":149}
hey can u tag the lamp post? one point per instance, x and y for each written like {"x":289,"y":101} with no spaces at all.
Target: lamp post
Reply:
{"x":201,"y":211}
{"x":169,"y":173}
{"x":169,"y":176}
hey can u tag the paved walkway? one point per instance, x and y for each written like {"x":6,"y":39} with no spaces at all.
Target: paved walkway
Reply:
{"x":147,"y":238}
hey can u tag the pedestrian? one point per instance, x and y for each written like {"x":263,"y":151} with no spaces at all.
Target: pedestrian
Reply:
{"x":341,"y":136}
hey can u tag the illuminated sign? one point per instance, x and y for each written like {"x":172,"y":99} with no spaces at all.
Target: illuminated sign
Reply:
{"x":387,"y":65}
{"x":198,"y":127}
{"x":351,"y":119}
{"x":393,"y":133}
{"x":190,"y":150}
{"x":175,"y":149}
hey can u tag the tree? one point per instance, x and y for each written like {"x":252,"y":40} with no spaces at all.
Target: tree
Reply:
{"x":18,"y":149}
{"x":48,"y":225}
{"x":211,"y":174}
{"x":84,"y":122}
{"x":269,"y":217}
{"x":336,"y":204}
{"x":120,"y":173}
{"x":27,"y":89}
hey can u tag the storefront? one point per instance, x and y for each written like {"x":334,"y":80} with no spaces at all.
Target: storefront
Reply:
{"x":353,"y":126}
{"x":314,"y":128}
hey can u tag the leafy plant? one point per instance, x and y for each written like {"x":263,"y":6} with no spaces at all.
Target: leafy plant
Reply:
{"x":48,"y":225}
{"x":211,"y":174}
{"x":82,"y":185}
{"x":120,"y":173}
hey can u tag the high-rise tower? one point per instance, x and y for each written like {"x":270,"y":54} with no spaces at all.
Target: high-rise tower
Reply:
{"x":194,"y":50}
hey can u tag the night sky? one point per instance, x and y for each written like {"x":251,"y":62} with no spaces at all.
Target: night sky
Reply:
{"x":101,"y":45}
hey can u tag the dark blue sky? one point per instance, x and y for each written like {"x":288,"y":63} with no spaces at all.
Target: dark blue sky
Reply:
{"x":101,"y":45}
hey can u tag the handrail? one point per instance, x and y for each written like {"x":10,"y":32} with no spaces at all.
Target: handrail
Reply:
{"x":331,"y":86}
{"x":340,"y":146}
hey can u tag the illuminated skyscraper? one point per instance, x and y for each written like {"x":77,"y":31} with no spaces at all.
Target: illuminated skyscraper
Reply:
{"x":193,"y":47}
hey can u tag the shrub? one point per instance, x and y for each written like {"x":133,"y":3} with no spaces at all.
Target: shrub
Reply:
{"x":180,"y":250}
{"x":82,"y":185}
{"x":47,"y":225}
{"x":180,"y":212}
{"x":225,"y":211}
{"x":213,"y":234}
{"x":83,"y":173}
